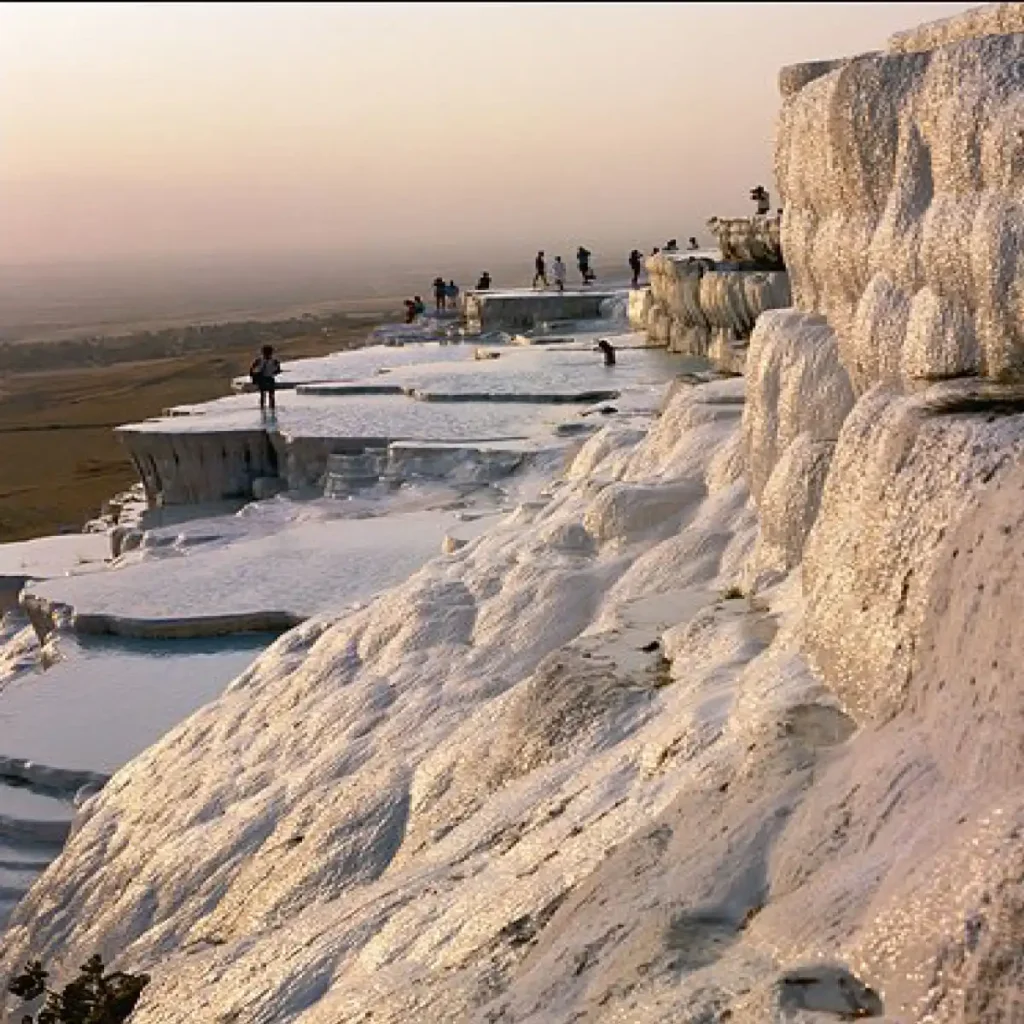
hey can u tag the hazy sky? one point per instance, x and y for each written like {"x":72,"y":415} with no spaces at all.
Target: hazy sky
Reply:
{"x":172,"y":128}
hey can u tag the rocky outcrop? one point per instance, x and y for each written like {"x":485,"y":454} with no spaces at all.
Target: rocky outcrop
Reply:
{"x":903,"y":225}
{"x":706,"y":312}
{"x":193,"y":468}
{"x":639,"y":309}
{"x":754,"y":240}
{"x":989,"y":20}
{"x":492,"y":311}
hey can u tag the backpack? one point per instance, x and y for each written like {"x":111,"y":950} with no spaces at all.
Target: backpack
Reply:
{"x":263,"y":369}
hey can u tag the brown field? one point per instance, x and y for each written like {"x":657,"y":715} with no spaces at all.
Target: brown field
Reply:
{"x":59,"y":458}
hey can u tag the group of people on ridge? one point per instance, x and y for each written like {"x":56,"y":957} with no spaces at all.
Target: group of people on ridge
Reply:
{"x":540,"y":275}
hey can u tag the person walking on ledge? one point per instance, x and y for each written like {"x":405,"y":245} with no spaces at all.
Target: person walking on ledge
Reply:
{"x":262,"y":371}
{"x":540,"y":270}
{"x":440,"y":293}
{"x":635,"y":265}
{"x":583,"y":262}
{"x":558,"y":273}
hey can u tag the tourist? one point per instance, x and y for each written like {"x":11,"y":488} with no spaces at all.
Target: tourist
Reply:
{"x":583,"y":262}
{"x":440,"y":293}
{"x":635,"y":265}
{"x":262,"y":371}
{"x":539,"y":270}
{"x":484,"y":283}
{"x":452,"y":292}
{"x":419,"y":306}
{"x":608,"y":349}
{"x":410,"y":311}
{"x":763,"y":198}
{"x":671,"y":245}
{"x":692,"y":244}
{"x":655,"y":251}
{"x":558,"y":273}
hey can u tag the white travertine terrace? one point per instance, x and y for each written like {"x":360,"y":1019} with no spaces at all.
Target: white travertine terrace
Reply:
{"x":904,"y":219}
{"x":724,"y":726}
{"x":749,"y":239}
{"x":709,"y":313}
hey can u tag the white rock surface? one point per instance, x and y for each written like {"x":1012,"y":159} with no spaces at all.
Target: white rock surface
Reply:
{"x":990,"y":19}
{"x":219,"y":450}
{"x":209,"y":579}
{"x":574,"y":769}
{"x":702,"y":312}
{"x":901,"y":183}
{"x":519,"y":308}
{"x":904,"y":472}
{"x":756,"y":239}
{"x":795,"y":386}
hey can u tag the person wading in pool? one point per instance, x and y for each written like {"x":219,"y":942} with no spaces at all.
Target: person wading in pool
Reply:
{"x":262,"y":372}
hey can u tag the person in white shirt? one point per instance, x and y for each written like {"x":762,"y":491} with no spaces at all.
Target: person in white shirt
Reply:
{"x":558,"y":273}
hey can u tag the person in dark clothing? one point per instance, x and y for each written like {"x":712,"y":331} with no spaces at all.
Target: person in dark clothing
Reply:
{"x":608,"y":351}
{"x":262,"y":371}
{"x":540,"y":272}
{"x":692,"y":244}
{"x":484,"y":283}
{"x":583,"y":262}
{"x":671,"y":245}
{"x":763,"y":198}
{"x":410,"y":311}
{"x":635,"y":265}
{"x":440,"y":293}
{"x":419,"y":305}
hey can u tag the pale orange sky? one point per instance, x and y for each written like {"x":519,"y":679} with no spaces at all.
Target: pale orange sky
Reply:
{"x":177,"y":128}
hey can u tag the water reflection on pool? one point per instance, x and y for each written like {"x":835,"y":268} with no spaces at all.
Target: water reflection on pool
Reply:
{"x":111,"y":698}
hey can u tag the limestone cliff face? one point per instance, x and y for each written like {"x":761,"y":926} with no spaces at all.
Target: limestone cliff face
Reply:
{"x":902,"y":178}
{"x":703,"y":312}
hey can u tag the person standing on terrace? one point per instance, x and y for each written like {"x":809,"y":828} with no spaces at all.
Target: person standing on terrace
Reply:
{"x":440,"y":293}
{"x":263,"y":371}
{"x":540,"y":270}
{"x":558,"y":273}
{"x":635,"y":265}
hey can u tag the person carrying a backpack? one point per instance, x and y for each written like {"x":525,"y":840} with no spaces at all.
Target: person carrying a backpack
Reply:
{"x":583,"y":262}
{"x":265,"y":367}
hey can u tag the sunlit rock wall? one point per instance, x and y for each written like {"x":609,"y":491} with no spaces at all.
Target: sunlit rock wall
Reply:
{"x":902,"y":179}
{"x":703,"y":312}
{"x":192,"y":468}
{"x":496,"y":310}
{"x":905,"y":469}
{"x":749,"y":239}
{"x":990,"y":19}
{"x":639,"y":309}
{"x":798,"y":396}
